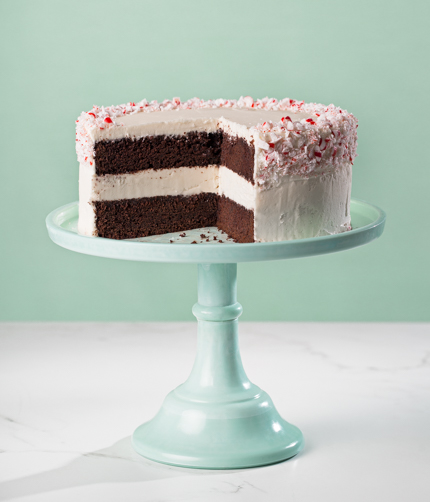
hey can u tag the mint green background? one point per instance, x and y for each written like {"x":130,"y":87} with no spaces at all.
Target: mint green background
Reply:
{"x":59,"y":58}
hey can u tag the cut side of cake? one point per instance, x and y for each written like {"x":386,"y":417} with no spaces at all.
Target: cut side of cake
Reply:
{"x":261,"y":171}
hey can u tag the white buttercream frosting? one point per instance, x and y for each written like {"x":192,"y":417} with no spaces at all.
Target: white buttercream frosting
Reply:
{"x":87,"y":216}
{"x":304,"y":207}
{"x":150,"y":183}
{"x":236,"y":188}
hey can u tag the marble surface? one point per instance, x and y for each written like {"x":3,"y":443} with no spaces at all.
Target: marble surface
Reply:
{"x":71,"y":394}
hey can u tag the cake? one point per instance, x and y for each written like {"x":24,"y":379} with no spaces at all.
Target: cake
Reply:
{"x":261,"y":171}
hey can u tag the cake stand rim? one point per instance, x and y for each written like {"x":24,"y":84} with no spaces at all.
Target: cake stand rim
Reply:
{"x":215,"y":253}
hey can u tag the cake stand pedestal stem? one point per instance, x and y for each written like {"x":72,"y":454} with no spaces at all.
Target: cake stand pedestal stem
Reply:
{"x":218,"y":369}
{"x":217,"y":419}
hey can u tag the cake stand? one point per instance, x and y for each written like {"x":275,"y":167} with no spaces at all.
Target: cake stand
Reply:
{"x":217,"y":419}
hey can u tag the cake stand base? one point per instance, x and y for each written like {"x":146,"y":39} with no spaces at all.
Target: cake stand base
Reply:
{"x":217,"y":419}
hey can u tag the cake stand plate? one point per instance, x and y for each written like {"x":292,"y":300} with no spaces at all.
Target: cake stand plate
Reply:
{"x":217,"y":419}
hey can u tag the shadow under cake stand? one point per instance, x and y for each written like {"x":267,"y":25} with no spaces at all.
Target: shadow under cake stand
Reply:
{"x":217,"y":419}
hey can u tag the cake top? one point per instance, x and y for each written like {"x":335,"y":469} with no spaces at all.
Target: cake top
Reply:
{"x":289,"y":136}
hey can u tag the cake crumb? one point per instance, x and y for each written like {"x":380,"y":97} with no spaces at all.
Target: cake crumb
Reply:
{"x":220,"y":240}
{"x":182,"y":235}
{"x":202,"y":236}
{"x":215,"y":237}
{"x":171,"y":240}
{"x":194,"y":242}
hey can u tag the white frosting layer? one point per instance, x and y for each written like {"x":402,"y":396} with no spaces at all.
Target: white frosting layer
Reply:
{"x":175,"y":122}
{"x":151,"y":183}
{"x":304,"y":207}
{"x":236,"y":188}
{"x":87,"y":217}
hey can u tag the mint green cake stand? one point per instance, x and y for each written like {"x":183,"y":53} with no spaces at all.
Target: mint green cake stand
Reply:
{"x":217,"y":419}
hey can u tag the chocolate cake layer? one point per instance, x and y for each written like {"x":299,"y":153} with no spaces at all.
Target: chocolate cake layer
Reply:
{"x":128,"y":155}
{"x":235,"y":220}
{"x":194,"y":149}
{"x":131,"y":218}
{"x":238,"y":155}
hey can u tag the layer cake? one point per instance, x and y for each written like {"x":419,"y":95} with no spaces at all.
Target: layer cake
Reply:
{"x":263,"y":170}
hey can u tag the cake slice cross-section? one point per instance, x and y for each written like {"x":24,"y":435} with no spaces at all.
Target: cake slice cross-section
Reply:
{"x":261,"y":171}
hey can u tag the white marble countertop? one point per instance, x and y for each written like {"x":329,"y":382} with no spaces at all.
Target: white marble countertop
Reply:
{"x":71,"y":394}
